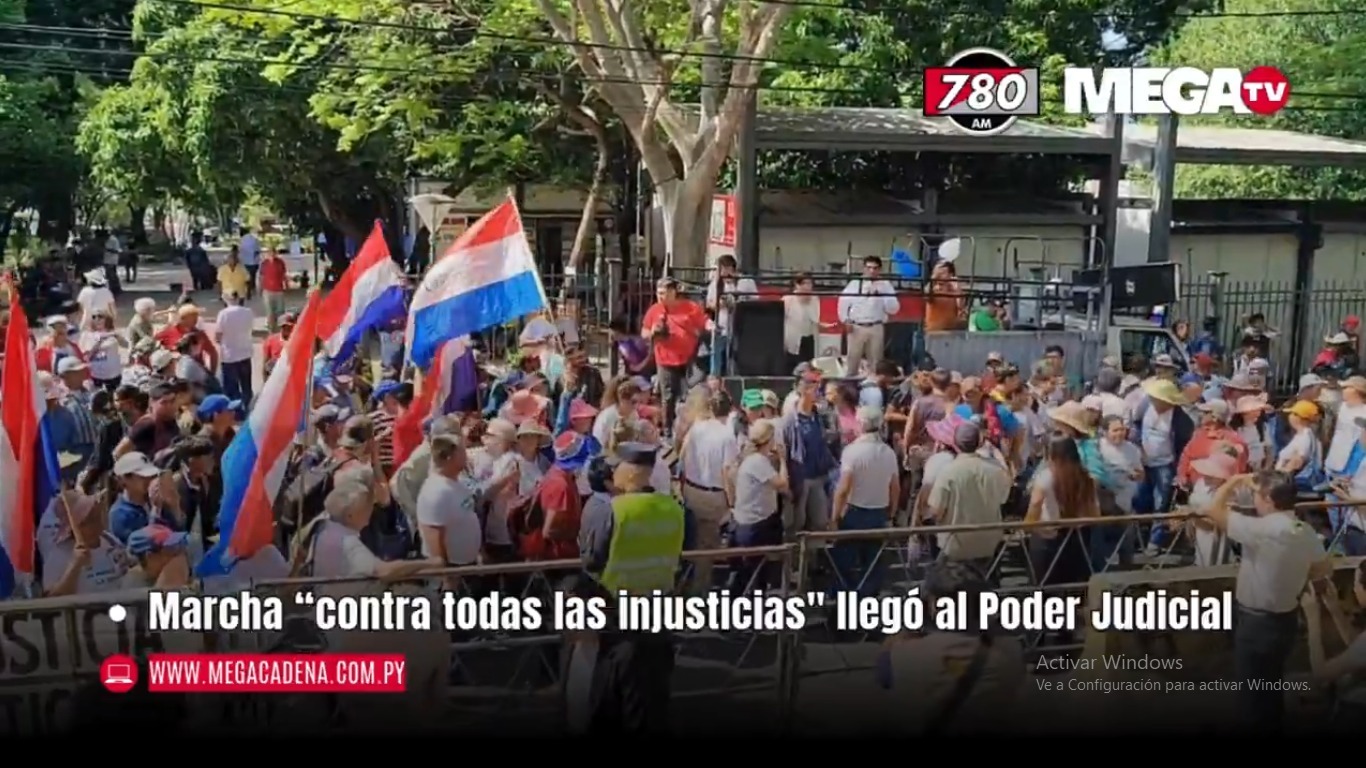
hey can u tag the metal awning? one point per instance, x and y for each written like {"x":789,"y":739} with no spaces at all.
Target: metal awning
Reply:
{"x":1219,"y":145}
{"x":867,"y":129}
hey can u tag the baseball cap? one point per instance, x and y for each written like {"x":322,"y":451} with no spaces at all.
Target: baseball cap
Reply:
{"x":288,"y":318}
{"x":135,"y":463}
{"x":384,"y":389}
{"x":155,"y":538}
{"x":1303,"y":409}
{"x":162,"y":358}
{"x":216,"y":404}
{"x":328,"y":413}
{"x":1311,"y":380}
{"x":71,"y":365}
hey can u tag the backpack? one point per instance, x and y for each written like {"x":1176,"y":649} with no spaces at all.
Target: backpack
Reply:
{"x":308,"y":487}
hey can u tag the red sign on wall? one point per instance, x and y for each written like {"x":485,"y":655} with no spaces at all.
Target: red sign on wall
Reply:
{"x":723,"y":221}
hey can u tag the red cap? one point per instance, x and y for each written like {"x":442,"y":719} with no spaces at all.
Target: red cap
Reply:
{"x":1204,"y":358}
{"x":1351,"y":322}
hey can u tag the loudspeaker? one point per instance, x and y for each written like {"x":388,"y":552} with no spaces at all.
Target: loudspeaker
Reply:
{"x":1141,"y":285}
{"x":756,"y":347}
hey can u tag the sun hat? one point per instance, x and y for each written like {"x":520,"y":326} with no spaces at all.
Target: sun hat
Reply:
{"x":1073,"y":415}
{"x":581,"y":410}
{"x":572,"y":451}
{"x":532,"y":428}
{"x":1337,"y":338}
{"x":522,"y":407}
{"x":1164,"y":391}
{"x":500,"y":429}
{"x":1251,"y":404}
{"x":1217,"y":408}
{"x":941,"y":431}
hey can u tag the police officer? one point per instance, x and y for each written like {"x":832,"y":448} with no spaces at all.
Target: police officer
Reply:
{"x":619,"y":682}
{"x":1280,"y":554}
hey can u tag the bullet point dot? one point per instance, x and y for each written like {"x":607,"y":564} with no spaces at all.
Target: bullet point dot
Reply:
{"x":117,"y":613}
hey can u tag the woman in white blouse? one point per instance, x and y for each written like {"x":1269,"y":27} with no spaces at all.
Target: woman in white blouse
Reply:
{"x":801,"y":321}
{"x":1249,"y":421}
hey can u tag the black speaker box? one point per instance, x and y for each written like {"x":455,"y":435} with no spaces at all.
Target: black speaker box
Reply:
{"x":756,"y":346}
{"x":1141,"y":285}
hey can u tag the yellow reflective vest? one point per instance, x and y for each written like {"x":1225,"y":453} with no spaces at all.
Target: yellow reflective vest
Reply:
{"x":647,"y":541}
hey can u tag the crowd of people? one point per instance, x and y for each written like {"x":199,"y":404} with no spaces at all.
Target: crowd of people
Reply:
{"x":528,"y":469}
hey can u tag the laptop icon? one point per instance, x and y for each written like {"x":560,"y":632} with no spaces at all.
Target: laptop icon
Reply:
{"x":119,"y":674}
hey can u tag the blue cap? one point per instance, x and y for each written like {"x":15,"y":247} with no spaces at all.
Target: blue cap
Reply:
{"x":155,"y":538}
{"x":1191,"y":378}
{"x":384,"y":389}
{"x":639,"y":454}
{"x":213,"y":405}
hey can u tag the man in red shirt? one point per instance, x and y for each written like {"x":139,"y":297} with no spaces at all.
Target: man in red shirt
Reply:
{"x":274,"y":278}
{"x":275,"y":344}
{"x":673,"y":325}
{"x":559,"y":497}
{"x":187,"y":322}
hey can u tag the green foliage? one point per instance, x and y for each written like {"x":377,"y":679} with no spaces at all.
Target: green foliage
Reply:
{"x":1319,"y":55}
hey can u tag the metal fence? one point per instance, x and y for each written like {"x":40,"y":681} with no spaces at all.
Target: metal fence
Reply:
{"x":494,"y":679}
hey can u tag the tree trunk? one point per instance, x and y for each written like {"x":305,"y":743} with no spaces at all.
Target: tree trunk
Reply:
{"x":137,"y":214}
{"x":5,"y":227}
{"x":585,"y":235}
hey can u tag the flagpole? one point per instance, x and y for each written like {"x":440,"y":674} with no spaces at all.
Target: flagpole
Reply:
{"x":540,"y":285}
{"x":308,"y":435}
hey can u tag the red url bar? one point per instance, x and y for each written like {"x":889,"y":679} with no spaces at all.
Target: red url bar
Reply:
{"x":275,"y":673}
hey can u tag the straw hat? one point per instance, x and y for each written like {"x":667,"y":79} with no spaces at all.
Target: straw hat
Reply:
{"x":1251,"y":404}
{"x":1218,"y":465}
{"x":500,"y":429}
{"x":1072,"y":415}
{"x":531,"y":428}
{"x":1216,"y":408}
{"x":1357,"y":383}
{"x":1164,"y":391}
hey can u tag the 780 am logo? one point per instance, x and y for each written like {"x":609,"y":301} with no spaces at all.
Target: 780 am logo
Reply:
{"x":982,"y":91}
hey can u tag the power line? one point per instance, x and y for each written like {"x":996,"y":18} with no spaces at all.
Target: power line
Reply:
{"x":501,"y":77}
{"x":525,"y":77}
{"x":73,"y":68}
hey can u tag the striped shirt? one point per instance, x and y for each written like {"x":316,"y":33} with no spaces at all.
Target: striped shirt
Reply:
{"x":384,"y":437}
{"x":87,"y":427}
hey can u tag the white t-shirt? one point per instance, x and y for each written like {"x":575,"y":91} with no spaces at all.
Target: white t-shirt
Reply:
{"x":755,"y":498}
{"x":1121,"y":460}
{"x":1043,"y":482}
{"x":1346,"y":434}
{"x":604,"y":424}
{"x":934,"y":465}
{"x":235,"y":323}
{"x":738,"y":288}
{"x":102,"y":354}
{"x":1303,"y":444}
{"x":1158,"y":450}
{"x":249,"y":251}
{"x":338,"y":552}
{"x":872,"y":463}
{"x":1255,"y":438}
{"x":708,"y":449}
{"x":109,"y":563}
{"x":1277,"y":553}
{"x":449,"y":505}
{"x":496,"y":526}
{"x":91,"y":299}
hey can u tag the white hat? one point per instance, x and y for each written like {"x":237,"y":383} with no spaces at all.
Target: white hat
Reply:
{"x":52,"y":387}
{"x":1311,"y":380}
{"x":135,"y":464}
{"x":96,"y":277}
{"x":950,"y":249}
{"x":162,"y":358}
{"x":52,"y":320}
{"x":70,"y":364}
{"x":1337,"y":338}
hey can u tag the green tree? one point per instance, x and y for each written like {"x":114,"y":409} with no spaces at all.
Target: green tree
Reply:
{"x":1319,"y":55}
